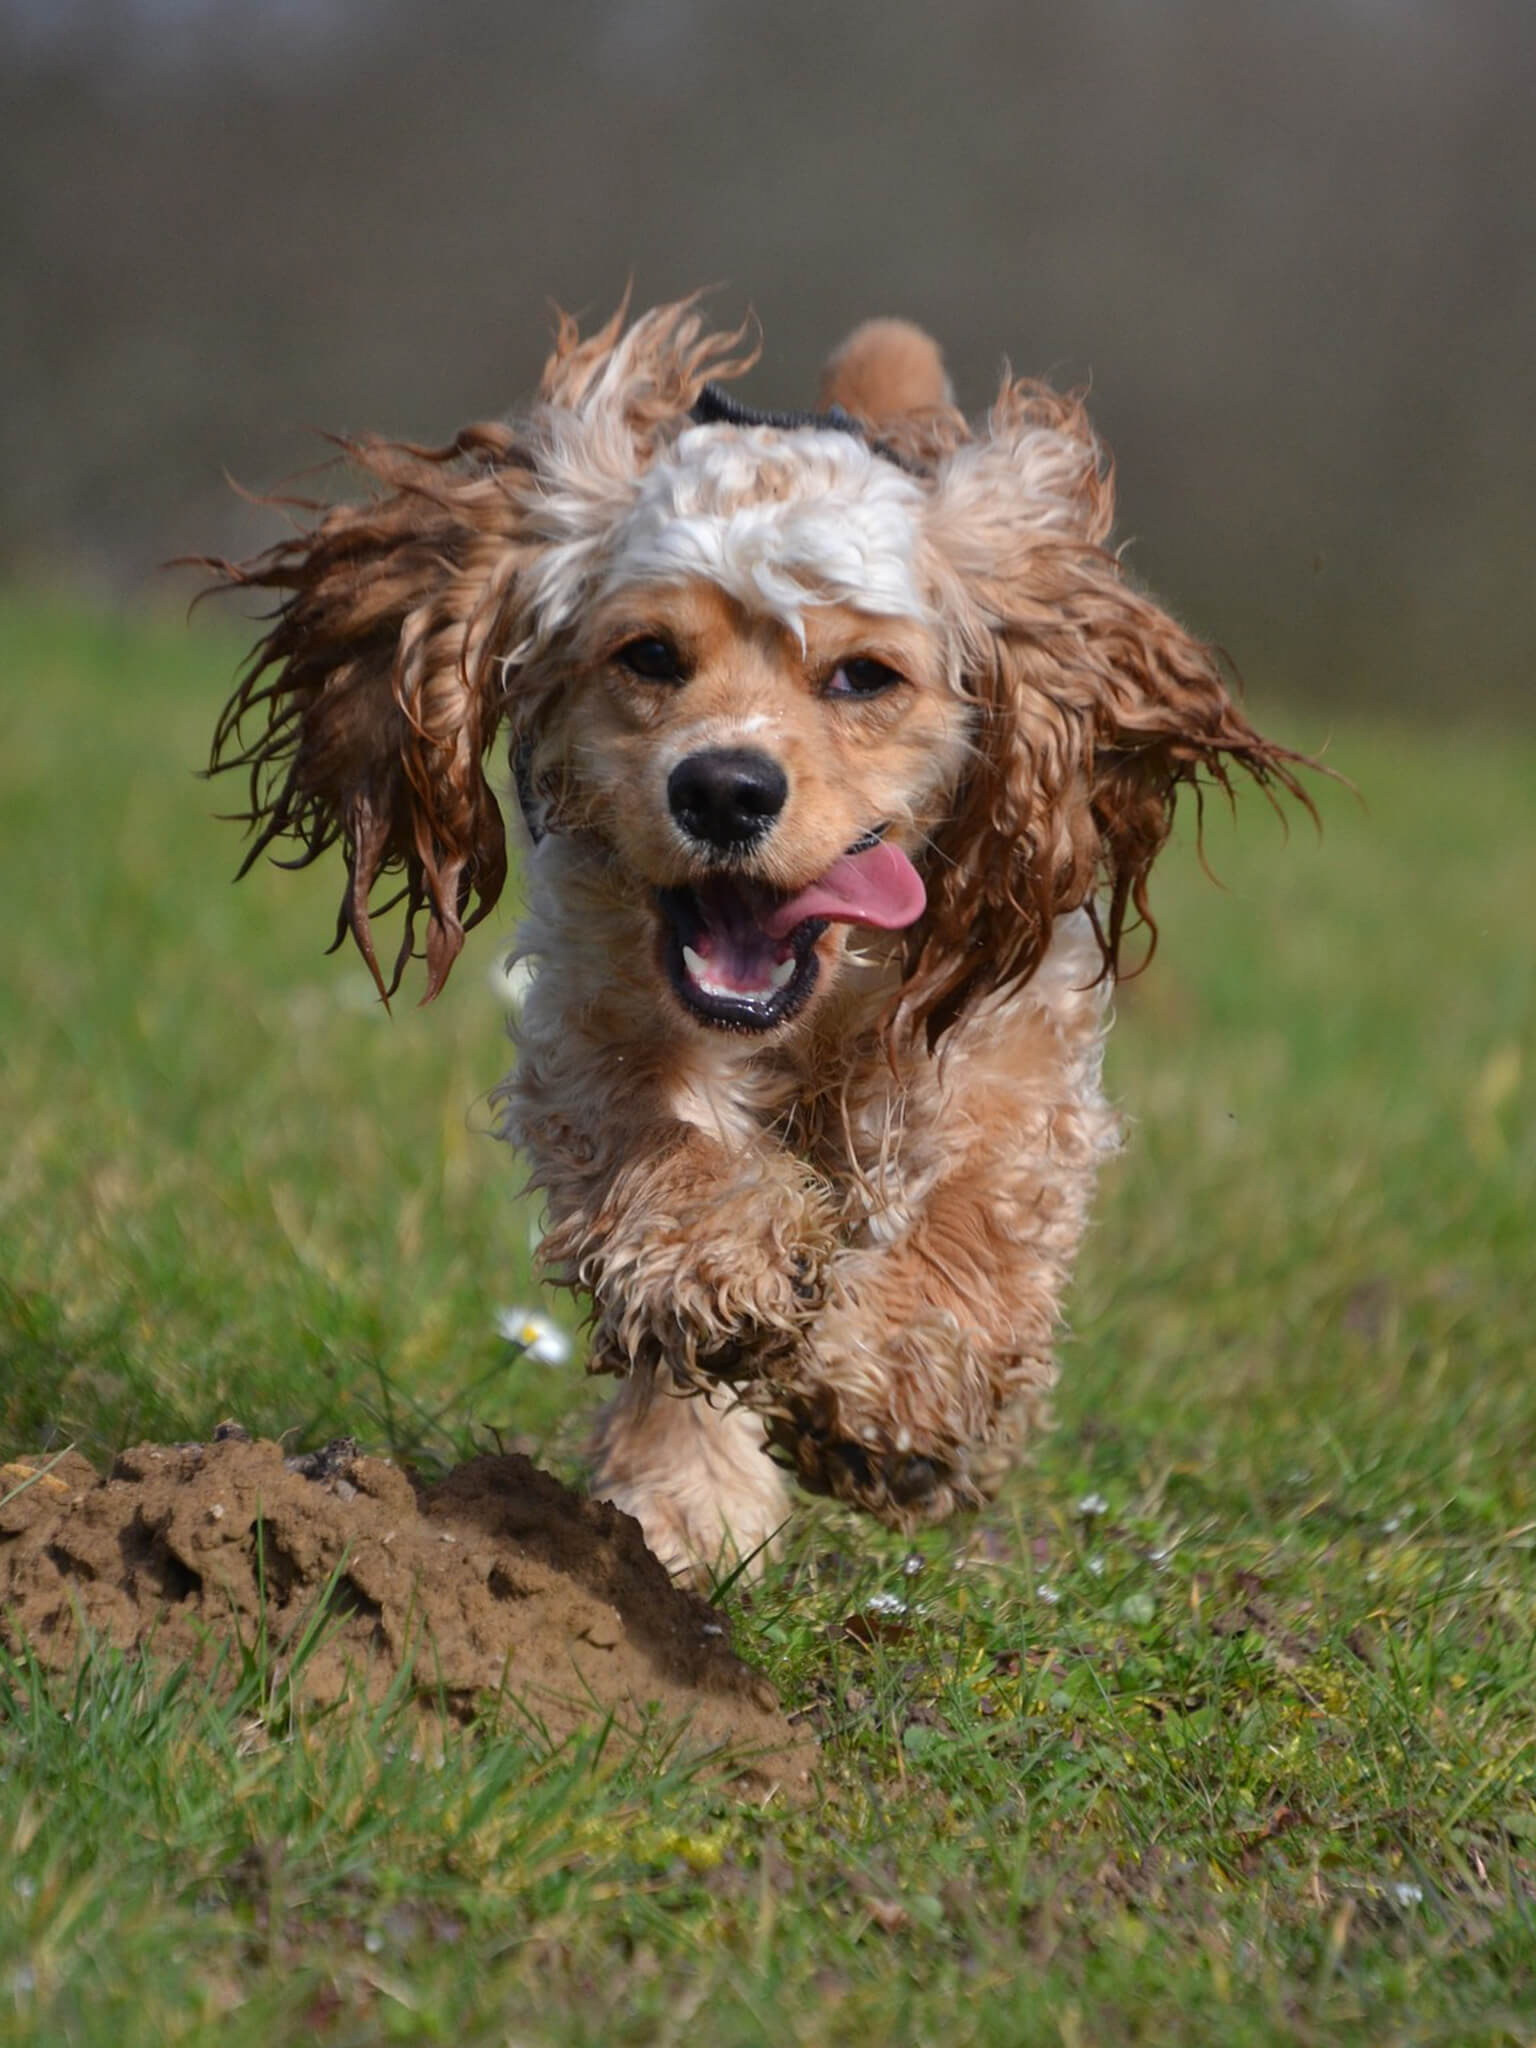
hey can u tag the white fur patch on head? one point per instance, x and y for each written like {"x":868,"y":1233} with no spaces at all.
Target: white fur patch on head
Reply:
{"x":778,"y":519}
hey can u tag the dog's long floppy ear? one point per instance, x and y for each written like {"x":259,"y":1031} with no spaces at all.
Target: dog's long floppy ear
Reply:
{"x":375,"y":696}
{"x":406,"y":624}
{"x":1093,"y":709}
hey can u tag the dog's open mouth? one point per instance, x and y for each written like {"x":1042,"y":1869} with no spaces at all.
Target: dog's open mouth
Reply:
{"x":743,"y":956}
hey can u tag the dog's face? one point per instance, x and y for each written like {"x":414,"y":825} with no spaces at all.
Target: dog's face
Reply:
{"x":751,"y":706}
{"x":762,"y":791}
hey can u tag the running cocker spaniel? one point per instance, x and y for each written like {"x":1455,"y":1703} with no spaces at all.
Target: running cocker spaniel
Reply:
{"x":843,"y":748}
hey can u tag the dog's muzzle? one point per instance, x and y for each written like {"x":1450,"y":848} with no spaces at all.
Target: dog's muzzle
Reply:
{"x":742,"y":956}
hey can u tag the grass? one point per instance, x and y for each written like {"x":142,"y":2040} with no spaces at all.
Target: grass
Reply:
{"x":1221,"y":1727}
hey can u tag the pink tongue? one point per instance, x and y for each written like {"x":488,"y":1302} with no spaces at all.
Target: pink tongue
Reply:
{"x":879,"y":886}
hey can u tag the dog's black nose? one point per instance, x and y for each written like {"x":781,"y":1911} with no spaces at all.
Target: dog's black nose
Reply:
{"x":728,"y":796}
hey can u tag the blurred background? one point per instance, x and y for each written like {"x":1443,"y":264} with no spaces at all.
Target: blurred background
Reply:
{"x":1290,"y":245}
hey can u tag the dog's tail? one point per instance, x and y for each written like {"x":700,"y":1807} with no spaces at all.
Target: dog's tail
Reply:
{"x":884,"y":370}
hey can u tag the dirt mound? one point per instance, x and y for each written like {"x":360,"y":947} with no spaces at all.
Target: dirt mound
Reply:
{"x":497,"y":1579}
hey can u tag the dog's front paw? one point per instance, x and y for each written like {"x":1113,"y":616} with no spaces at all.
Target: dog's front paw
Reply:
{"x":911,"y":1421}
{"x":873,"y":1470}
{"x":726,"y":1293}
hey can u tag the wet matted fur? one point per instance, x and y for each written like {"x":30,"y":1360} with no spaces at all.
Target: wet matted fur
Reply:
{"x":844,"y":747}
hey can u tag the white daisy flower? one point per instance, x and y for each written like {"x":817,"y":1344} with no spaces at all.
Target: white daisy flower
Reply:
{"x":1092,"y":1505}
{"x":534,"y":1335}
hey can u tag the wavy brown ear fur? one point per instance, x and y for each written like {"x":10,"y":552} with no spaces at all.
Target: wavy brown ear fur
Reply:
{"x":374,"y":692}
{"x":1094,"y":708}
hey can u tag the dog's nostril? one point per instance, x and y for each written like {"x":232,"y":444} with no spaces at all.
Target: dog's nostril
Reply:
{"x":728,"y":796}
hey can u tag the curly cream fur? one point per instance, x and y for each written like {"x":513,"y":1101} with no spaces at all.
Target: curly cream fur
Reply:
{"x":847,"y":1233}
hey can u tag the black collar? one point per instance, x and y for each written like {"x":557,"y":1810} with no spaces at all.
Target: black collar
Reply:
{"x":715,"y":407}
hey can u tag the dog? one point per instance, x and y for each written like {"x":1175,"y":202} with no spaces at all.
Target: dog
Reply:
{"x":843,"y":747}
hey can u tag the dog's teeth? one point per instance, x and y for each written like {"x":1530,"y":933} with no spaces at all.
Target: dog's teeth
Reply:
{"x":710,"y":984}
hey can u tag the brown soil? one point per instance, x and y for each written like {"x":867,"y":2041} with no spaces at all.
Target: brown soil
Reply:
{"x":499,"y":1580}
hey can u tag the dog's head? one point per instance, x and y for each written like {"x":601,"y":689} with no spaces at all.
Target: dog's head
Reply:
{"x":786,"y":678}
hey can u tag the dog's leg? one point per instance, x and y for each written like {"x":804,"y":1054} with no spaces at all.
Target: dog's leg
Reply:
{"x":935,"y":1351}
{"x":668,"y":1199}
{"x":698,"y":1262}
{"x":693,"y":1471}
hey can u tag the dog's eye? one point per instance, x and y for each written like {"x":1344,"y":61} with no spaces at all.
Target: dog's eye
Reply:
{"x":863,"y":676}
{"x":653,"y":659}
